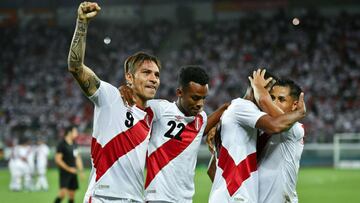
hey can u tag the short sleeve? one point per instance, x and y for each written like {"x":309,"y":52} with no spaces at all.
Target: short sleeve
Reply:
{"x":60,"y":148}
{"x":297,"y":131}
{"x":106,"y":94}
{"x":157,"y":106}
{"x":246,"y":112}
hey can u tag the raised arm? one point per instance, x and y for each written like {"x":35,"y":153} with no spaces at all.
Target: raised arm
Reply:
{"x":86,"y":78}
{"x":261,"y":93}
{"x":272,"y":125}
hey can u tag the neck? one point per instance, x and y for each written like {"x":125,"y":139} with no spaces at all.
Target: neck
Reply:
{"x":140,"y":102}
{"x":178,"y":104}
{"x":68,"y":139}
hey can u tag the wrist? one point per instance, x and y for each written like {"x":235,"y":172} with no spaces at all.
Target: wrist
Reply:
{"x":82,"y":25}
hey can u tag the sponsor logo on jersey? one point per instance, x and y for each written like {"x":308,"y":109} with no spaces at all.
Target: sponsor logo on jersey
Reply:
{"x":102,"y":187}
{"x":151,"y":191}
{"x":178,"y":118}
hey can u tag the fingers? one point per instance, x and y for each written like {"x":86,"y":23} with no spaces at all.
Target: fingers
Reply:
{"x":89,"y":9}
{"x":251,"y":79}
{"x":91,"y":14}
{"x":262,"y":73}
{"x":301,"y":97}
{"x":267,"y":81}
{"x":301,"y":102}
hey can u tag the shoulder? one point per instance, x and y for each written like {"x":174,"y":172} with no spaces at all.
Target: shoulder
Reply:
{"x":299,"y":127}
{"x":159,"y":105}
{"x":242,"y":106}
{"x":157,"y":102}
{"x":297,"y":130}
{"x":242,"y":102}
{"x":105,"y":90}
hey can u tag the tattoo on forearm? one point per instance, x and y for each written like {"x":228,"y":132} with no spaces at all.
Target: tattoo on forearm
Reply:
{"x":77,"y":49}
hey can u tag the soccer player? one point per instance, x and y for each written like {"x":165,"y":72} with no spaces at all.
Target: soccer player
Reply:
{"x":42,"y":153}
{"x":69,"y":161}
{"x":278,"y":164}
{"x":176,"y":135}
{"x":120,"y":133}
{"x":236,"y":176}
{"x":21,"y":165}
{"x":178,"y":128}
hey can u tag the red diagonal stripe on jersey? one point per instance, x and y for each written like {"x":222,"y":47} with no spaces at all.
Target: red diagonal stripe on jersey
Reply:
{"x":233,"y":174}
{"x":171,"y":149}
{"x":121,"y":144}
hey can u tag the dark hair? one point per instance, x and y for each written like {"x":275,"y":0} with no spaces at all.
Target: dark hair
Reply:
{"x":192,"y":73}
{"x":295,"y":89}
{"x":134,"y":61}
{"x":68,"y":129}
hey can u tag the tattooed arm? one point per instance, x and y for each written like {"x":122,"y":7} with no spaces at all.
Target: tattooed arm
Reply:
{"x":86,"y":78}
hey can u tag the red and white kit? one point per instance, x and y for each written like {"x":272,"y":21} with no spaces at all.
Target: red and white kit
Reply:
{"x":119,"y":144}
{"x":172,"y":153}
{"x":279,"y":165}
{"x":236,"y":178}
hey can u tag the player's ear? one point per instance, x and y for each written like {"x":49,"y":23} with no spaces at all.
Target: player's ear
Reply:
{"x":294,"y":105}
{"x":129,"y":79}
{"x":179,"y":92}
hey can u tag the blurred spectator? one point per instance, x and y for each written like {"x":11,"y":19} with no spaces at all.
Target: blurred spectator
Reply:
{"x":322,"y":53}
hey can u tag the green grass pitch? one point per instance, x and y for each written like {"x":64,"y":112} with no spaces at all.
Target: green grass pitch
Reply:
{"x":315,"y":185}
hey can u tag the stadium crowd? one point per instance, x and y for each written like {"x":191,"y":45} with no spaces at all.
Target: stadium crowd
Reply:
{"x":38,"y":95}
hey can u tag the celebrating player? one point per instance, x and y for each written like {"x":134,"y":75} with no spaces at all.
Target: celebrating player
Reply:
{"x":236,"y":177}
{"x":120,"y":133}
{"x":175,"y":139}
{"x":178,"y":128}
{"x":279,"y":154}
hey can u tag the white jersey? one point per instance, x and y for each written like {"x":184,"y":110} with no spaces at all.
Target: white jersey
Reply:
{"x":42,"y":153}
{"x":236,"y":178}
{"x":119,"y":144}
{"x":172,"y":153}
{"x":279,"y":166}
{"x":23,"y":154}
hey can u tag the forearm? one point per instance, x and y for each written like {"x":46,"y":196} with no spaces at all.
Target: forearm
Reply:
{"x":265,"y":102}
{"x":285,"y":121}
{"x":214,"y":118}
{"x":79,"y":163}
{"x":212,"y":168}
{"x":77,"y":47}
{"x":63,"y":165}
{"x":85,"y":77}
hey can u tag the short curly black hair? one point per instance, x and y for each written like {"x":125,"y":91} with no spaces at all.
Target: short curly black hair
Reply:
{"x":192,"y":73}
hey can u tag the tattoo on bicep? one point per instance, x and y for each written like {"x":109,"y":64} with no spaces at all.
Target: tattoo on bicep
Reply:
{"x":90,"y":83}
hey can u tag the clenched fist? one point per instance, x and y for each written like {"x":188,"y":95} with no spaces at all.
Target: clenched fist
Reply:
{"x":88,"y":10}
